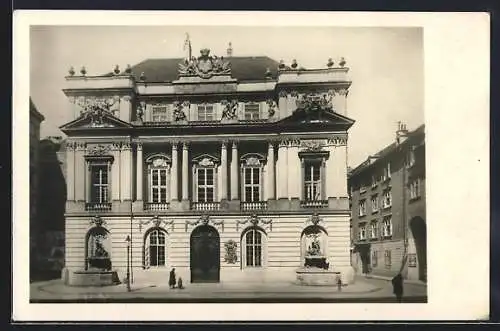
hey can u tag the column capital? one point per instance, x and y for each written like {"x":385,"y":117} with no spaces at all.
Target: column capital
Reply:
{"x":80,"y":146}
{"x":175,"y":145}
{"x":185,"y":145}
{"x":126,"y":146}
{"x":70,"y":145}
{"x":116,"y":146}
{"x":234,"y":144}
{"x":224,"y":143}
{"x":139,"y":145}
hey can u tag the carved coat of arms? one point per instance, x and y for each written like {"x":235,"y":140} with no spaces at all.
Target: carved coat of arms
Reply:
{"x":205,"y":66}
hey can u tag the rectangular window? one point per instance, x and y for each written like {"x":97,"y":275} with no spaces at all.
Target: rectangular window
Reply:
{"x":159,"y":113}
{"x":99,"y":182}
{"x":388,"y":226}
{"x":386,"y":172}
{"x":206,"y":112}
{"x":374,"y":203}
{"x":158,"y":185}
{"x":374,"y":258}
{"x":206,"y":186}
{"x":312,"y":180}
{"x":387,"y":199}
{"x":415,"y":189}
{"x":362,"y":231}
{"x":410,"y":158}
{"x":362,"y":208}
{"x":373,"y":230}
{"x":252,"y":111}
{"x":374,"y":181}
{"x":387,"y":259}
{"x":252,"y":184}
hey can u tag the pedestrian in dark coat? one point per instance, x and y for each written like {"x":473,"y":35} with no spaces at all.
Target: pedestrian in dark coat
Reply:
{"x":397,"y":285}
{"x":171,"y":280}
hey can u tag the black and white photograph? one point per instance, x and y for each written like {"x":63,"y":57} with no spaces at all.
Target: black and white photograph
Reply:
{"x":195,"y":163}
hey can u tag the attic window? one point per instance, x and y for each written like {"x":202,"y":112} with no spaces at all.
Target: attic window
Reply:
{"x":159,"y":113}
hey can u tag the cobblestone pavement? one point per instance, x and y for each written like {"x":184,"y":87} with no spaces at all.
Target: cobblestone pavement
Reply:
{"x":370,"y":290}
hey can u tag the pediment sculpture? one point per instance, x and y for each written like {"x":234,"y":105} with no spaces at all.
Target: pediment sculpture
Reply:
{"x":96,"y":110}
{"x":315,"y":103}
{"x":205,"y":66}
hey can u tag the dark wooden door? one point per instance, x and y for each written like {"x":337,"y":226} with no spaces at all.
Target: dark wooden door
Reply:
{"x":205,"y":255}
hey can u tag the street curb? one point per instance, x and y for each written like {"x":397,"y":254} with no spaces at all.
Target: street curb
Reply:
{"x":413,"y":282}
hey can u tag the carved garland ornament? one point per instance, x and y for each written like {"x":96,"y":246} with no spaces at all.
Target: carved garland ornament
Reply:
{"x":157,"y":222}
{"x":204,"y":220}
{"x":97,"y":221}
{"x":255,"y":221}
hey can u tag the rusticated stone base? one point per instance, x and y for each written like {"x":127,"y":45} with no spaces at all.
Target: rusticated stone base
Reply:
{"x":317,"y":277}
{"x":92,"y":278}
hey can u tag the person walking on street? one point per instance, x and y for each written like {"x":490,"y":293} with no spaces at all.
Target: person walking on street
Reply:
{"x":171,"y":280}
{"x":397,"y":285}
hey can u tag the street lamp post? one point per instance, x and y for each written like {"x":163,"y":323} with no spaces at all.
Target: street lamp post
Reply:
{"x":128,"y":262}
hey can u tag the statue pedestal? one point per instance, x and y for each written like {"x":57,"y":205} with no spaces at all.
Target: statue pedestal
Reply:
{"x":316,"y":262}
{"x":94,"y":277}
{"x":312,"y":276}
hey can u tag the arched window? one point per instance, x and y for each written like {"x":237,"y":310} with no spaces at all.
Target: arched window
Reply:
{"x":98,"y":249}
{"x":253,"y":247}
{"x":155,"y":248}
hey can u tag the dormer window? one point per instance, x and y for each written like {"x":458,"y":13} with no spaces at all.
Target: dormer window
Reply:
{"x":252,"y":111}
{"x":206,"y":112}
{"x":205,"y":178}
{"x":251,"y":168}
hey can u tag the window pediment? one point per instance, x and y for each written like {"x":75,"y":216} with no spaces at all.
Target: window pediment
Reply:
{"x":205,"y":160}
{"x":158,"y":161}
{"x":252,"y":160}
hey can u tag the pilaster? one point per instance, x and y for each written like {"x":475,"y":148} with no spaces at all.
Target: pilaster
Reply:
{"x":234,"y":171}
{"x":70,"y":170}
{"x":126,"y":173}
{"x":174,"y":175}
{"x":80,"y":171}
{"x":115,"y":172}
{"x":223,"y":171}
{"x":185,"y":171}
{"x":139,"y":175}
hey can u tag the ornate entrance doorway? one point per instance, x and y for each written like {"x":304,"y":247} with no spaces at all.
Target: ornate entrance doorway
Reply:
{"x":205,"y":255}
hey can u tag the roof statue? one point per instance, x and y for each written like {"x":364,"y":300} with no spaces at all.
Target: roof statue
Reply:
{"x":205,"y":66}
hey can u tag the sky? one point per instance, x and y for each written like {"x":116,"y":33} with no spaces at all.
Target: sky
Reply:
{"x":386,"y":66}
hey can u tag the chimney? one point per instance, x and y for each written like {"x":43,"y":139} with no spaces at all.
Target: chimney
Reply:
{"x":230,"y":50}
{"x":401,"y":133}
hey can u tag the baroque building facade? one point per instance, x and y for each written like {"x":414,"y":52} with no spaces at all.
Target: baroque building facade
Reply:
{"x":387,"y":194}
{"x":223,"y":168}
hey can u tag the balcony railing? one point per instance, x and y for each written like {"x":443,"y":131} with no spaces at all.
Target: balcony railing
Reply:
{"x":253,"y":205}
{"x":205,"y":206}
{"x":155,"y":206}
{"x":314,"y":204}
{"x":98,"y":206}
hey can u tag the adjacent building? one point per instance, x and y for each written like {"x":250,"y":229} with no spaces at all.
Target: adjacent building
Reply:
{"x":52,"y":203}
{"x":388,"y":221}
{"x":35,"y":120}
{"x":225,"y":168}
